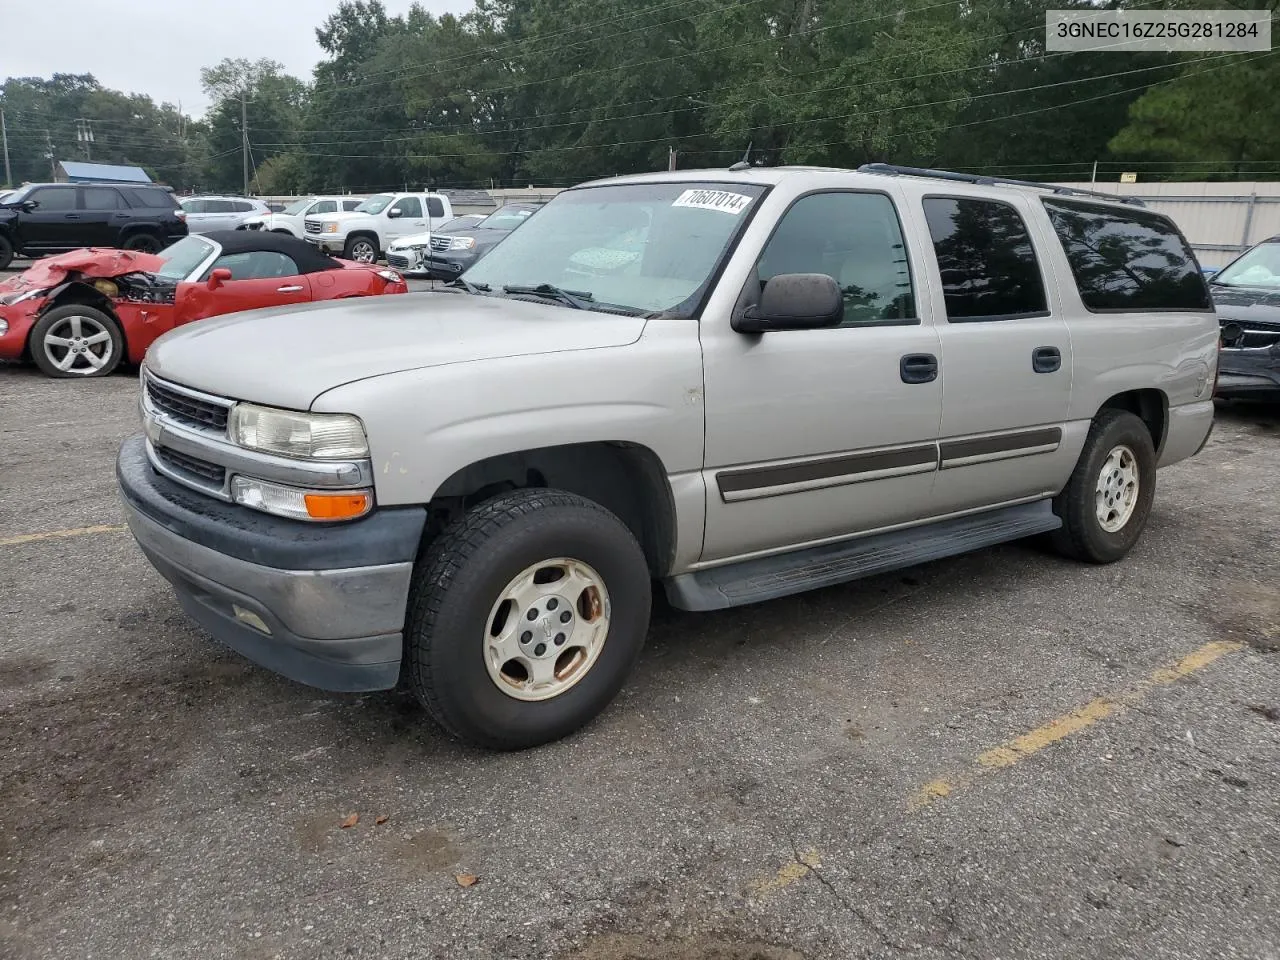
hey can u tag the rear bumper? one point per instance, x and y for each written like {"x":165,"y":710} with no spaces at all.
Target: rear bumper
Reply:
{"x":322,"y":605}
{"x":1189,"y":427}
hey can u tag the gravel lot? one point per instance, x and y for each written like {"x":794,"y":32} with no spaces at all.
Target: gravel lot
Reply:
{"x":868,"y":771}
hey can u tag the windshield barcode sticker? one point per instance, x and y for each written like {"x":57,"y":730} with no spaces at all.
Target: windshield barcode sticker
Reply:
{"x":721,"y":200}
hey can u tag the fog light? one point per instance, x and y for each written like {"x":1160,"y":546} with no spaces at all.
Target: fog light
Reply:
{"x":298,"y":504}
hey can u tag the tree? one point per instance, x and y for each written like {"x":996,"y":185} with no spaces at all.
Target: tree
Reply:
{"x":274,"y":104}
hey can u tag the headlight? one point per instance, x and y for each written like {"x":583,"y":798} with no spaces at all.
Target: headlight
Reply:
{"x":310,"y":436}
{"x":329,"y":228}
{"x":4,"y":327}
{"x":462,"y":243}
{"x":390,"y":276}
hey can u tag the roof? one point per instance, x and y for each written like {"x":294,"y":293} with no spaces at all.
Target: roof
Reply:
{"x":308,"y":257}
{"x":77,"y":170}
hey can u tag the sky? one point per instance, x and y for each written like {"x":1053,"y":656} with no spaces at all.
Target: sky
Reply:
{"x":163,"y":59}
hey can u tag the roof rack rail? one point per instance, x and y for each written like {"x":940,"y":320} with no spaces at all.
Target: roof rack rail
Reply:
{"x":896,"y":170}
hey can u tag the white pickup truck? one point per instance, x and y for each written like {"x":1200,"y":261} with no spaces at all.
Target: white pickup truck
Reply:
{"x":363,"y":233}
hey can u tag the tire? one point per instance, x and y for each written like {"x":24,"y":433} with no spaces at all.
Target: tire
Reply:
{"x":361,"y":250}
{"x":6,"y":252}
{"x":97,"y":355}
{"x":457,"y":601}
{"x":142,"y":242}
{"x":1121,"y":443}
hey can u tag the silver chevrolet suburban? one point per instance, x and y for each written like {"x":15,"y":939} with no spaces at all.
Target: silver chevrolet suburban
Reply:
{"x":738,"y":383}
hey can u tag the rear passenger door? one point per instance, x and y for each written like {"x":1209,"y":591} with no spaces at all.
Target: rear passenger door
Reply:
{"x":101,"y":210}
{"x":819,"y":434}
{"x":1006,"y":355}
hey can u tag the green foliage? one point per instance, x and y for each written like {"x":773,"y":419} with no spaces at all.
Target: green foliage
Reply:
{"x":557,"y":91}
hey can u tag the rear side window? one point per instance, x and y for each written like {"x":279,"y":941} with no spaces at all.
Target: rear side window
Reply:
{"x":242,"y":206}
{"x":100,"y":198}
{"x":151,"y":197}
{"x":435,"y":207}
{"x":1127,"y":260}
{"x":987,"y":261}
{"x":219,"y":206}
{"x":54,"y":198}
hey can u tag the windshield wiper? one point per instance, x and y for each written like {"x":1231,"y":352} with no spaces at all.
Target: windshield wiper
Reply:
{"x":573,"y":298}
{"x":468,"y":286}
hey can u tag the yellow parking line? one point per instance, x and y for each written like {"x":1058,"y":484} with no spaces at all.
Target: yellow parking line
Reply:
{"x":789,"y":873}
{"x":56,"y":534}
{"x":1059,"y":728}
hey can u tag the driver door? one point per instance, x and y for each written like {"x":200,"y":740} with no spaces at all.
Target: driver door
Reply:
{"x":405,"y":218}
{"x":259,"y":278}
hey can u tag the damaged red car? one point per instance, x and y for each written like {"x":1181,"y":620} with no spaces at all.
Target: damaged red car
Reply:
{"x":81,"y":314}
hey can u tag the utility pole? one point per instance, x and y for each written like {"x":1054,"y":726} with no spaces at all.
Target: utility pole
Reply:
{"x":84,"y":134}
{"x":671,"y":158}
{"x":4,"y":135}
{"x":48,"y":143}
{"x":244,"y":141}
{"x":1094,"y":178}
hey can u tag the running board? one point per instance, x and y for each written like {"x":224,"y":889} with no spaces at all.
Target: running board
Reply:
{"x":766,"y":578}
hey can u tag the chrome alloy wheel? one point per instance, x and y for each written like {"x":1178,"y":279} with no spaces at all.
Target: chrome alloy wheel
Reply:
{"x":547,"y":629}
{"x":78,"y":345}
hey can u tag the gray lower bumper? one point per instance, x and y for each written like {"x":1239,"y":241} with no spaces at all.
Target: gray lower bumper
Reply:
{"x":334,"y":628}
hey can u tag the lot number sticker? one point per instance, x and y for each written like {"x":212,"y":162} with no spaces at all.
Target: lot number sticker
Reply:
{"x":721,"y":200}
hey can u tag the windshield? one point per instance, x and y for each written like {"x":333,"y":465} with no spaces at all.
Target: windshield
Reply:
{"x":297,"y":206}
{"x":646,"y":246}
{"x":374,"y":204}
{"x":1259,"y":267}
{"x":505,"y":219}
{"x":183,"y":257}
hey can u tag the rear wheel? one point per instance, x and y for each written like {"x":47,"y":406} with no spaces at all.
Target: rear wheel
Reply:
{"x":6,"y":252}
{"x":76,"y":341}
{"x":527,"y":615}
{"x":361,"y":249}
{"x":1106,"y":502}
{"x":142,"y":242}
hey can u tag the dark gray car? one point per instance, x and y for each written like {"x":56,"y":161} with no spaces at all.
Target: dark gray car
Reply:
{"x":451,"y":254}
{"x":1247,"y":295}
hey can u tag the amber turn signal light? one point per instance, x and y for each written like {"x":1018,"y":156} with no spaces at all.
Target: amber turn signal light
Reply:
{"x":336,"y":506}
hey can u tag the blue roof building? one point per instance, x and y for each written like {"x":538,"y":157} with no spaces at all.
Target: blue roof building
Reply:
{"x":73,"y":171}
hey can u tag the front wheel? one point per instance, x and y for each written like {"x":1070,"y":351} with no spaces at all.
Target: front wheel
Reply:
{"x":76,"y":341}
{"x":361,"y":250}
{"x":527,"y":614}
{"x":1105,"y":504}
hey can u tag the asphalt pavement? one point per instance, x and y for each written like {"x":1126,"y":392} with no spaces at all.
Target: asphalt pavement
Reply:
{"x":1002,"y":755}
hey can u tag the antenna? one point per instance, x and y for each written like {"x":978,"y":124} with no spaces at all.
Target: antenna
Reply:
{"x":745,"y":162}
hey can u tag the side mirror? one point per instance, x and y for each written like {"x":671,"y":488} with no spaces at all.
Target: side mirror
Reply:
{"x":218,"y":278}
{"x":29,"y":205}
{"x":394,"y":212}
{"x":794,"y":301}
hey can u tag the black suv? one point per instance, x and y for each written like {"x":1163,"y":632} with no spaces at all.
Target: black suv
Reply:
{"x":42,"y":218}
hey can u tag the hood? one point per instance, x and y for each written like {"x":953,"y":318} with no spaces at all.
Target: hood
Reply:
{"x":90,"y":262}
{"x":340,"y":215}
{"x":288,"y":356}
{"x":1246,"y":303}
{"x":415,"y":239}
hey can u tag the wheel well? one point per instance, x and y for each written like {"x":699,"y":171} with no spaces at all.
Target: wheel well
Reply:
{"x":86,"y":295}
{"x":1151,"y":406}
{"x":367,"y":235}
{"x":626,"y":479}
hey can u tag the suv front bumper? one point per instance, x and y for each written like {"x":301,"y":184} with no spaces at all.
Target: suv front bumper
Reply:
{"x":322,"y":604}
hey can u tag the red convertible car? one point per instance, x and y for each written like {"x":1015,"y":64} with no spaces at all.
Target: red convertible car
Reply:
{"x":80,"y":314}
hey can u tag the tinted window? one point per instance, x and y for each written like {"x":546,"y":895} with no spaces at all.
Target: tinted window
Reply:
{"x":986,"y":259}
{"x":257,"y":265}
{"x":435,"y":207}
{"x":219,"y":206}
{"x":325,"y":206}
{"x":242,"y":206}
{"x":409,"y":207}
{"x":100,"y":198}
{"x":151,"y":197}
{"x":853,"y":237}
{"x":54,"y":198}
{"x":350,"y":204}
{"x":1127,"y":260}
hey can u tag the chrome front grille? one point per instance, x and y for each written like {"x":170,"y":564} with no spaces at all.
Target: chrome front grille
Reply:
{"x":200,"y":471}
{"x":440,"y":244}
{"x":187,"y":407}
{"x":311,"y":226}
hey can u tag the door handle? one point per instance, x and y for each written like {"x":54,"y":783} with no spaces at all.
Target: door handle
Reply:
{"x":918,"y":368}
{"x":71,"y":216}
{"x":291,"y":288}
{"x":1046,"y":359}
